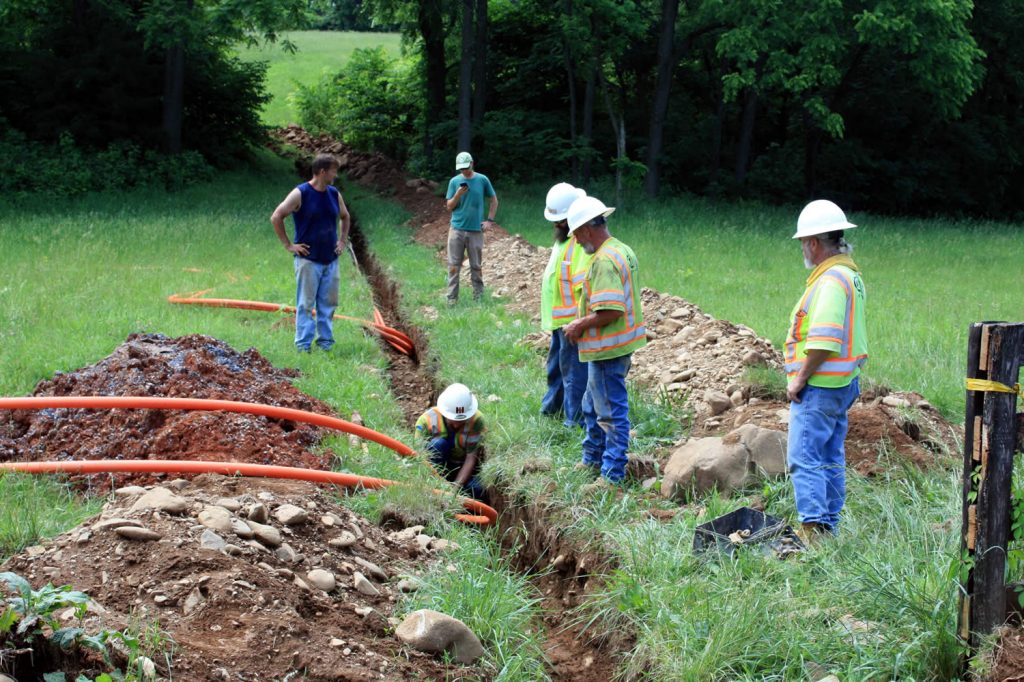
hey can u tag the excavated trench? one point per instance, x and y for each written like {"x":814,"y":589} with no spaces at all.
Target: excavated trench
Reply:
{"x":560,"y":569}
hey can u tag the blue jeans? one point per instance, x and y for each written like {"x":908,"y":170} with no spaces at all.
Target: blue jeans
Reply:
{"x":817,"y":459}
{"x":606,"y":417}
{"x":440,"y":454}
{"x":567,"y":380}
{"x":316,"y":288}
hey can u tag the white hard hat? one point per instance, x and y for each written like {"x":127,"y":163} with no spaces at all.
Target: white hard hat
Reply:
{"x":457,"y":403}
{"x":820,"y":217}
{"x":560,"y":198}
{"x":585,"y":209}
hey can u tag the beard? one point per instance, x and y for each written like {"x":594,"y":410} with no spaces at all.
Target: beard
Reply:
{"x":808,"y":264}
{"x":588,"y":248}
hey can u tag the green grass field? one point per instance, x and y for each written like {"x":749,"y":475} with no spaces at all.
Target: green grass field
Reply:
{"x":318,"y":52}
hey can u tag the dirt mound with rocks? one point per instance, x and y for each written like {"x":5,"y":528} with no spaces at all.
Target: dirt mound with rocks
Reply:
{"x":252,"y":580}
{"x":193,"y":366}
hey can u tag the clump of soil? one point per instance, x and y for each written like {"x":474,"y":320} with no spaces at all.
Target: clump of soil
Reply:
{"x":187,"y":367}
{"x":244,"y":607}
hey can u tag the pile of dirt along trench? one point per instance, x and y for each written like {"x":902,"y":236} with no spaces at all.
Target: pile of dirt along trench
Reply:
{"x":693,"y":359}
{"x":251,"y":579}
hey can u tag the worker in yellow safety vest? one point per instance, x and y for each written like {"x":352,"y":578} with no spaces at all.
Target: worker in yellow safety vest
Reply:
{"x":559,"y":301}
{"x":825,"y":349}
{"x":453,"y":431}
{"x":608,"y":329}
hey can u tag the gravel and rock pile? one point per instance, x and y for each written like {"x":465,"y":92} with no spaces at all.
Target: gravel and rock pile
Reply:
{"x":253,"y":580}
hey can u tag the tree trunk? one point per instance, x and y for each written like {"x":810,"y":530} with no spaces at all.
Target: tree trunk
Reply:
{"x":716,"y":130}
{"x":431,"y":27}
{"x":480,"y":64}
{"x":666,"y":39}
{"x":746,"y":135}
{"x":618,"y":122}
{"x":589,"y":95}
{"x":174,"y":97}
{"x":466,"y":78}
{"x":570,"y":77}
{"x":812,"y":145}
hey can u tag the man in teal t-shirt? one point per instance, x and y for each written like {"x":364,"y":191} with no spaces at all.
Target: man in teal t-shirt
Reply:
{"x":465,"y":200}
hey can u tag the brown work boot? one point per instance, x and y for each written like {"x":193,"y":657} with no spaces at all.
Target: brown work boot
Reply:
{"x":599,"y":486}
{"x":813,"y":533}
{"x":589,"y":468}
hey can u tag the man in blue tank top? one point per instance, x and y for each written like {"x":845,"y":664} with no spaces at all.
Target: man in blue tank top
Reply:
{"x":318,"y":211}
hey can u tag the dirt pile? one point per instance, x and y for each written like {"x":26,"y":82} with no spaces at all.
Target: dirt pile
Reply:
{"x":251,"y":579}
{"x":187,"y":367}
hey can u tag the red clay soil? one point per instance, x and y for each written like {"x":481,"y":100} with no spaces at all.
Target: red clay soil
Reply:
{"x":155,"y":365}
{"x":1008,"y":665}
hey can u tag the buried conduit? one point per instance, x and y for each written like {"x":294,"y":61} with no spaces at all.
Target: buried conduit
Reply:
{"x":395,"y":338}
{"x":482,"y":514}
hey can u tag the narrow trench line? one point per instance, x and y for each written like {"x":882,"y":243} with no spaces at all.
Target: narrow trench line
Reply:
{"x":523,"y":529}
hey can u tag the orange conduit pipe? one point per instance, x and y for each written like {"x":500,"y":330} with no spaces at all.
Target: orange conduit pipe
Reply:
{"x":397,"y":339}
{"x":155,"y":403}
{"x":481,"y":513}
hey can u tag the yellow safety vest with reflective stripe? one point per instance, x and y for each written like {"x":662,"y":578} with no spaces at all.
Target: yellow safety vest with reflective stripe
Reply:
{"x":612,"y":283}
{"x":562,"y":284}
{"x":431,"y":425}
{"x":830,"y":316}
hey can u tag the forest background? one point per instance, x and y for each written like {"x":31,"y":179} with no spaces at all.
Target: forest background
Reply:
{"x":909,"y":107}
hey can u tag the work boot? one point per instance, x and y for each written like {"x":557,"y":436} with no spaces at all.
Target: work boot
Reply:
{"x":592,"y":469}
{"x":599,"y":486}
{"x":813,"y":533}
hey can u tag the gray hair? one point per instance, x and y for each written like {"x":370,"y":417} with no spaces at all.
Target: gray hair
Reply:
{"x":833,"y":241}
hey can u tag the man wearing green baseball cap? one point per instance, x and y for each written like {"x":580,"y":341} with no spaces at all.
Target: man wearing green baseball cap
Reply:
{"x":465,"y":201}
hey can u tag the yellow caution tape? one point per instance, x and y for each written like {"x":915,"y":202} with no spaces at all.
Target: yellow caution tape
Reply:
{"x":993,"y":387}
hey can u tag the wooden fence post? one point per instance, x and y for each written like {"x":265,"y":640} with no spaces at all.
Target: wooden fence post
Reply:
{"x":995,"y":352}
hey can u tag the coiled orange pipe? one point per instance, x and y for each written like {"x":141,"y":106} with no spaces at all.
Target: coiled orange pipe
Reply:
{"x":397,"y":339}
{"x":482,"y":514}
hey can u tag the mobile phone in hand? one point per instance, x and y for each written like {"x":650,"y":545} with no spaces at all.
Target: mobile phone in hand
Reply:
{"x":464,"y":184}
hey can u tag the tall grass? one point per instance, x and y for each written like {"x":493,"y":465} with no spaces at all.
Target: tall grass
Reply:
{"x":318,"y":52}
{"x":35,"y":507}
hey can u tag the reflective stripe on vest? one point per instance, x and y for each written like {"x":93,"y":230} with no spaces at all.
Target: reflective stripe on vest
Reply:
{"x":435,"y":419}
{"x":567,"y":303}
{"x":844,"y":362}
{"x":594,"y":342}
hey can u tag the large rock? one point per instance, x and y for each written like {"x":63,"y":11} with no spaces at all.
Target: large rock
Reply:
{"x":726,"y":463}
{"x":701,"y":464}
{"x":161,"y":499}
{"x":216,"y":519}
{"x":434,"y":633}
{"x":767,"y":449}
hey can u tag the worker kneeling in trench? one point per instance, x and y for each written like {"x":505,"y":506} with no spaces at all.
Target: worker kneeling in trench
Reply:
{"x":452,"y":431}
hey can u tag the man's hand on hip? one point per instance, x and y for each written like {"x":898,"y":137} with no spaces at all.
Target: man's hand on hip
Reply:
{"x":298,"y":249}
{"x":793,"y":388}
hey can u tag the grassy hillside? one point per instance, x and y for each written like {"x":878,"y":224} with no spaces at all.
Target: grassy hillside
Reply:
{"x":318,"y":52}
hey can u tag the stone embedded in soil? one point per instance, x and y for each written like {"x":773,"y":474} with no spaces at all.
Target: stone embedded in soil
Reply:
{"x":433,"y":632}
{"x":290,"y":515}
{"x":138,"y":534}
{"x":364,"y":586}
{"x":409,"y":585}
{"x":257,"y":512}
{"x":406,"y":534}
{"x":210,"y":540}
{"x":346,"y":539}
{"x":242,"y":529}
{"x":111,"y":524}
{"x":268,"y":535}
{"x":229,"y":503}
{"x":216,"y":518}
{"x":130,"y":491}
{"x":193,"y":601}
{"x":163,"y":500}
{"x":287,"y":554}
{"x":373,"y":569}
{"x":322,"y":580}
{"x":718,"y":401}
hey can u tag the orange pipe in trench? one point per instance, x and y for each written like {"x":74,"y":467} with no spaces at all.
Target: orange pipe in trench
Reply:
{"x":399,"y":340}
{"x":482,"y":514}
